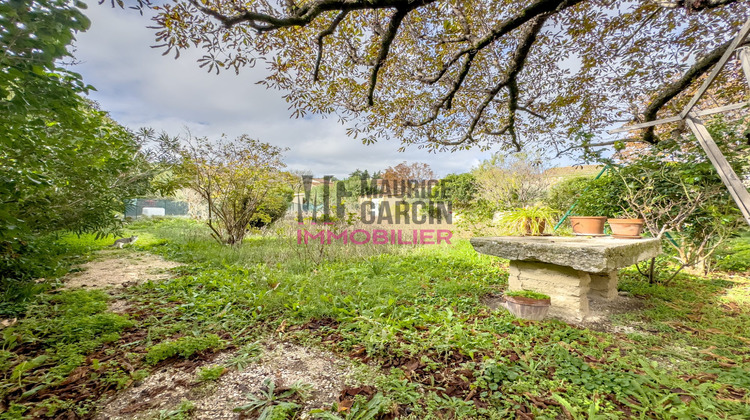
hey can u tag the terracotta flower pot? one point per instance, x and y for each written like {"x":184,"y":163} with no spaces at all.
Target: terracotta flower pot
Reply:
{"x":530,"y":232}
{"x":588,"y":225}
{"x":626,"y":228}
{"x":527,"y":308}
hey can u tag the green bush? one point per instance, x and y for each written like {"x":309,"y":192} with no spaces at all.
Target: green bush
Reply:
{"x":211,"y":373}
{"x":735,"y":255}
{"x":592,"y":197}
{"x":562,"y":195}
{"x":48,"y":257}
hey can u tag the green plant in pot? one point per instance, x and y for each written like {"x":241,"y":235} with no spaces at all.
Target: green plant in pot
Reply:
{"x":530,"y":221}
{"x":527,"y":304}
{"x":589,"y":200}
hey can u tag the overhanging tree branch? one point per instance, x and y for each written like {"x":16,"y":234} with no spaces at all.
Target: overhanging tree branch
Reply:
{"x":385,"y":46}
{"x":675,"y":88}
{"x":447,"y":59}
{"x":328,"y":31}
{"x":510,"y":81}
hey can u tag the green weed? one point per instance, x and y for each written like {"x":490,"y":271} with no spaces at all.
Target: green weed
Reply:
{"x":183,"y":347}
{"x":181,"y":412}
{"x":272,"y":403}
{"x":361,"y":409}
{"x":246,"y":355}
{"x":211,"y":373}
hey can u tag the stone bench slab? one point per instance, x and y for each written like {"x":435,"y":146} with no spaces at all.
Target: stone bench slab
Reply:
{"x":589,"y":254}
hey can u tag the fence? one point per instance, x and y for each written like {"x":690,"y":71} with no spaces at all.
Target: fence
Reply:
{"x":140,"y":207}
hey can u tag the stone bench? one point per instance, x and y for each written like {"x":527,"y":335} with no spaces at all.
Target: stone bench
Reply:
{"x":568,"y":269}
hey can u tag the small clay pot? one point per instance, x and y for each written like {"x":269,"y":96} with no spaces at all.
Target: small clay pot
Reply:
{"x":588,"y":225}
{"x":626,"y":228}
{"x":527,"y":308}
{"x":529,"y":232}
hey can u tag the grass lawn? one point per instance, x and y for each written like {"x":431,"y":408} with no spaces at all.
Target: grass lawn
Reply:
{"x":411,"y":318}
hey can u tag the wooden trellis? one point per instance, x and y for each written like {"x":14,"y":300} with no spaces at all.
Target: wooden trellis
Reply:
{"x":692,"y":119}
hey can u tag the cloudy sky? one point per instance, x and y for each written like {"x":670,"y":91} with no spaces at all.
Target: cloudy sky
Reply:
{"x":142,"y":88}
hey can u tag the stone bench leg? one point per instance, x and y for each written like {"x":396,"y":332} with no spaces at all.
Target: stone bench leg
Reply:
{"x":603,"y":285}
{"x":568,"y":288}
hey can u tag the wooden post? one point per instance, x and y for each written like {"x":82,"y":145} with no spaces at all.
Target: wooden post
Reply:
{"x":692,"y":118}
{"x":731,"y":180}
{"x":745,"y":58}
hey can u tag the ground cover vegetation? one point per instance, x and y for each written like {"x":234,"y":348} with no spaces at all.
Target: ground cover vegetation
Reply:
{"x":412,"y":317}
{"x":414,"y":314}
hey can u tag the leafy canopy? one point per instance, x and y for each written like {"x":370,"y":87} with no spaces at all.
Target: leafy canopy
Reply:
{"x":453,"y":74}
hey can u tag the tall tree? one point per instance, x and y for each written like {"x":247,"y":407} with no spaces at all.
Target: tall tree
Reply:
{"x":456,"y":74}
{"x":64,"y":164}
{"x":417,"y":171}
{"x":34,"y":89}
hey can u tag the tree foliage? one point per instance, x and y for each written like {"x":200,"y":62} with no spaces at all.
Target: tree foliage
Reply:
{"x":459,"y":189}
{"x":64,"y":164}
{"x":457,"y":74}
{"x":238,"y":180}
{"x":362,"y":183}
{"x":34,"y":89}
{"x":404,"y":172}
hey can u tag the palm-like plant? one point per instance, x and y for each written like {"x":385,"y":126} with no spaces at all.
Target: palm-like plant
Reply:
{"x":532,"y":220}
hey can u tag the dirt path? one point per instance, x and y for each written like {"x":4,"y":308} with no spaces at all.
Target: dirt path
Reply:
{"x":283,"y":363}
{"x":167,"y":387}
{"x":115,"y":268}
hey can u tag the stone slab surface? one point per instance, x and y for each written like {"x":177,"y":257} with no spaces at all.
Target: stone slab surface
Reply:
{"x":589,"y":254}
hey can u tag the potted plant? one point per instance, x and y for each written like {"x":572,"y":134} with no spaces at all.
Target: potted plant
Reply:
{"x":527,"y":304}
{"x":626,"y":228}
{"x":588,"y":225}
{"x":531,"y":221}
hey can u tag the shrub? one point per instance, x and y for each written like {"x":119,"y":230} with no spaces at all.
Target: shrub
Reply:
{"x":562,"y":195}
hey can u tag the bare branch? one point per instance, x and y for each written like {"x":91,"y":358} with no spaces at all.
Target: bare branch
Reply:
{"x":306,"y":13}
{"x":599,"y":144}
{"x":535,"y":10}
{"x":510,"y":81}
{"x":447,"y":100}
{"x":528,"y":111}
